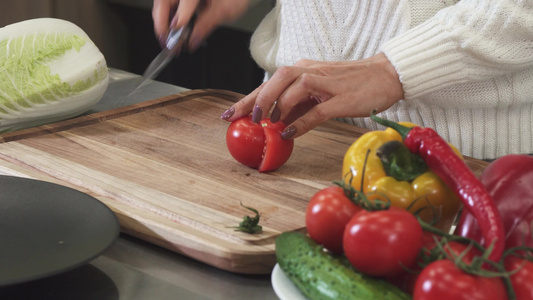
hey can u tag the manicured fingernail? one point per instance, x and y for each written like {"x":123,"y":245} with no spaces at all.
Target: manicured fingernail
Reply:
{"x":174,"y":21}
{"x":228,"y":113}
{"x":163,"y":40}
{"x":257,"y":114}
{"x":274,"y":116}
{"x":288,"y":132}
{"x":194,"y":44}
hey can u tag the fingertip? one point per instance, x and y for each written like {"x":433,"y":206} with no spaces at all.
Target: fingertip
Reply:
{"x":228,"y":113}
{"x":199,"y":33}
{"x":161,"y":32}
{"x":300,"y":126}
{"x":257,"y":114}
{"x":174,"y":22}
{"x":186,"y":10}
{"x":275,"y":115}
{"x":160,"y":16}
{"x":194,"y":44}
{"x":236,"y":116}
{"x":289,"y":132}
{"x":235,"y":112}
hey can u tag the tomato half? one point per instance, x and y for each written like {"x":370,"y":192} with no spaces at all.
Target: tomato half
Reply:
{"x":258,"y":146}
{"x":442,"y":280}
{"x":326,"y":216}
{"x":383,"y":242}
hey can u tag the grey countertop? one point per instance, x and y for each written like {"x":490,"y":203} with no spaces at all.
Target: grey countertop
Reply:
{"x":134,"y":269}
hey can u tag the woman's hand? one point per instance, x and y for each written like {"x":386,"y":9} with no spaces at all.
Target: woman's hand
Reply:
{"x":211,"y":13}
{"x":311,"y":92}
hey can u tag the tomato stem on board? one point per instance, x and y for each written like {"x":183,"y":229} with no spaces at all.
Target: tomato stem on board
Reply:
{"x":250,"y":224}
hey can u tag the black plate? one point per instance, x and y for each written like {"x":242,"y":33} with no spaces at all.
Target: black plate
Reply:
{"x":46,"y":229}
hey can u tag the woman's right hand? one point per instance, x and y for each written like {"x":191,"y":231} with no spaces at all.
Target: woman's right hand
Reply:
{"x":311,"y":92}
{"x":210,"y":14}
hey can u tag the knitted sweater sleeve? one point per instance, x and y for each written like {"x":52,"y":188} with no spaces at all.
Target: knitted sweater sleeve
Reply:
{"x":471,"y":41}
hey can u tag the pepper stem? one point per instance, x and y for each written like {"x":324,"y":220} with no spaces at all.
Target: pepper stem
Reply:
{"x":399,"y":162}
{"x":402,"y":130}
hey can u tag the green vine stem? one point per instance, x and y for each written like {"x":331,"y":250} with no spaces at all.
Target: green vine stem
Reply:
{"x":250,"y":224}
{"x":358,"y":197}
{"x":480,"y":265}
{"x":449,"y":237}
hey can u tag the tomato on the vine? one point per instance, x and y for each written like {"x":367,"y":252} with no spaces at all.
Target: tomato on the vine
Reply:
{"x":443,"y":280}
{"x":522,"y":280}
{"x":407,"y":279}
{"x":326,"y":216}
{"x":258,"y":146}
{"x":382,"y":242}
{"x":455,"y":249}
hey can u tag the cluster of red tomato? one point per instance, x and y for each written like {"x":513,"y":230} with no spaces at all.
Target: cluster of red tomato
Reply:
{"x":375,"y":242}
{"x":388,"y":243}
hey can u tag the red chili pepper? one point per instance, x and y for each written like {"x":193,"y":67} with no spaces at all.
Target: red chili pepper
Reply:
{"x":441,"y":159}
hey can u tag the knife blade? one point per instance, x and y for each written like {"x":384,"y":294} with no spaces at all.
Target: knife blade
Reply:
{"x":176,"y":42}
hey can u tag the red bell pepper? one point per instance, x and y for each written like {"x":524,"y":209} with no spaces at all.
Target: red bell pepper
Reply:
{"x":509,"y":180}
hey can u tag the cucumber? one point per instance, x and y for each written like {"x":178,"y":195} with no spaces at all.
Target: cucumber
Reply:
{"x":321,"y":275}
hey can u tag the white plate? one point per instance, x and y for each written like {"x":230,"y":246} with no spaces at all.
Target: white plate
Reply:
{"x":283,"y":286}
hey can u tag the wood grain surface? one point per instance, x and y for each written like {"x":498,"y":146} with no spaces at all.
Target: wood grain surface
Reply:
{"x":163,"y":167}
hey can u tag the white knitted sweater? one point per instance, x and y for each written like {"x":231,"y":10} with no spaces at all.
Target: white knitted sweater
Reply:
{"x":466,"y":66}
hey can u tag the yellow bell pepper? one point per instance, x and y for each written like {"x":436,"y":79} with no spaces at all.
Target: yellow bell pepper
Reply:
{"x":426,"y":195}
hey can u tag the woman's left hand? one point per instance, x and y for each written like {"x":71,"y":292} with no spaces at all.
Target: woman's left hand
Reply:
{"x":311,"y":92}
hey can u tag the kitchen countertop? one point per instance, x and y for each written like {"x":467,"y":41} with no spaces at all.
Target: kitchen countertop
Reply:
{"x":133,"y":269}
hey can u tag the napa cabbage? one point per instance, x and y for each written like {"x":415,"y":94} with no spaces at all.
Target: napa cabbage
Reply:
{"x":49,"y":70}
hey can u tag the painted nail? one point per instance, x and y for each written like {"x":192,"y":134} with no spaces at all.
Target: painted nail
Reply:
{"x":228,"y":113}
{"x":163,"y":39}
{"x":174,"y":21}
{"x":257,"y":114}
{"x":288,"y":132}
{"x":194,"y":44}
{"x":275,"y":115}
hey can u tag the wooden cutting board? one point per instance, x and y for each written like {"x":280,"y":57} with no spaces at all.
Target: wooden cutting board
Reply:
{"x":163,"y":167}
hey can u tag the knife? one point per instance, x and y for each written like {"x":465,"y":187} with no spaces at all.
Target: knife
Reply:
{"x":176,"y":42}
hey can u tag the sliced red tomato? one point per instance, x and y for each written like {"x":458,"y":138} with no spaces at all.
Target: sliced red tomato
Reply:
{"x":258,"y":146}
{"x":442,"y":280}
{"x":383,"y":242}
{"x":326,"y":216}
